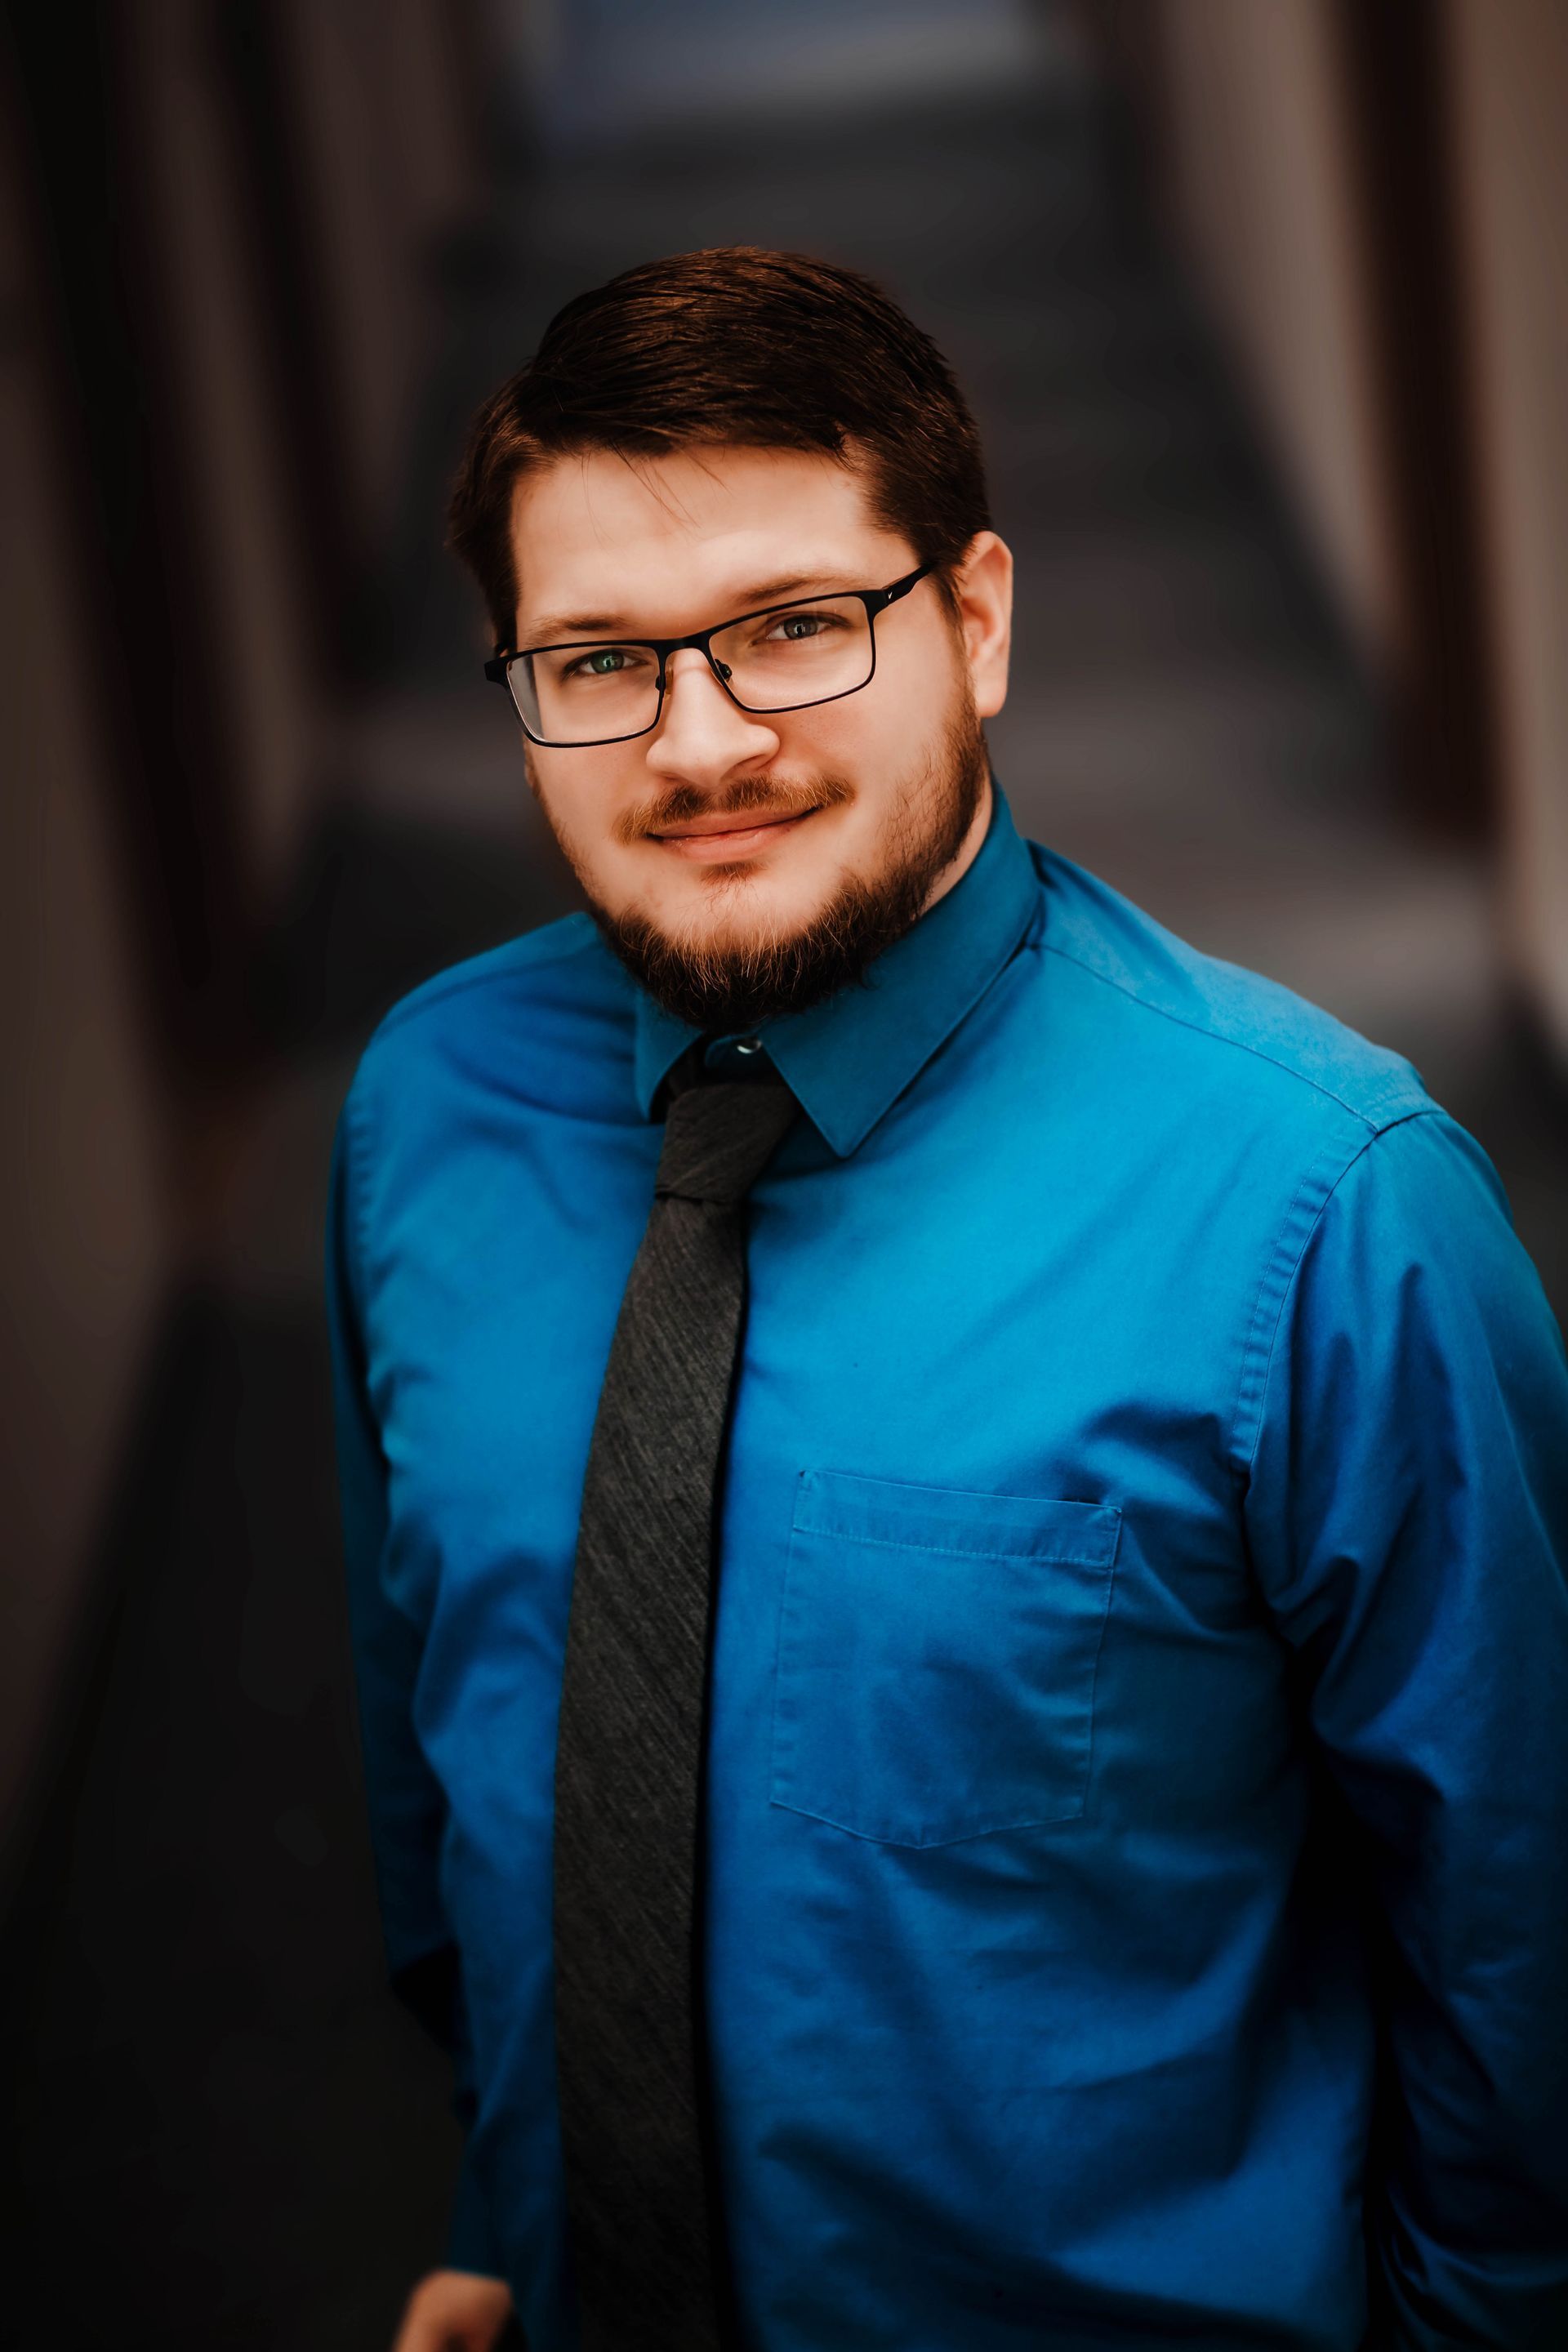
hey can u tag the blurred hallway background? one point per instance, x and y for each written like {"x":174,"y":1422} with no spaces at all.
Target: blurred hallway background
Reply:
{"x":1263,"y":312}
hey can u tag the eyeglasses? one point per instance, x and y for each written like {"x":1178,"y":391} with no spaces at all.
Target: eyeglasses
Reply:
{"x":787,"y":657}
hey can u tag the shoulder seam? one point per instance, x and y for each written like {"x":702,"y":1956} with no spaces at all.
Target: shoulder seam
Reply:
{"x":1278,"y":1279}
{"x":1371,"y":1119}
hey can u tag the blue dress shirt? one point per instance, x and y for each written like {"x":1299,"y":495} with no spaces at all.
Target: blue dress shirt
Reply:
{"x":1138,"y":1819}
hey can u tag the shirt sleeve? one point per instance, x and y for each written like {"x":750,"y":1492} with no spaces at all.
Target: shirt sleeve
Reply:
{"x":406,"y":1809}
{"x":1407,"y":1514}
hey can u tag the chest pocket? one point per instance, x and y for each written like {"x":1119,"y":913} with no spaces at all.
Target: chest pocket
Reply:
{"x":937,"y":1658}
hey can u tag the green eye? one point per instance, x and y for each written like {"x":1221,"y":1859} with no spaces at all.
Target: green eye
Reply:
{"x":604,"y":662}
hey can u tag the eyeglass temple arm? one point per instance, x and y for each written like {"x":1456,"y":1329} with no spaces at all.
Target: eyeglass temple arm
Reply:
{"x":878,"y":599}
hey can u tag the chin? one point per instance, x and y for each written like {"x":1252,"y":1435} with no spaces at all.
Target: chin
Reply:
{"x":748,"y":915}
{"x":731,"y":946}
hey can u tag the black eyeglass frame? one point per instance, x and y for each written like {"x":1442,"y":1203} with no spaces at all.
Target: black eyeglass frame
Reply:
{"x":876,"y":600}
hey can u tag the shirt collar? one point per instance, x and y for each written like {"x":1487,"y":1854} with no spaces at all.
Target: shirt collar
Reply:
{"x":848,"y":1059}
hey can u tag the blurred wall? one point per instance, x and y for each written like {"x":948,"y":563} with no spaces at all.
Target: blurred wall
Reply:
{"x":217,"y":223}
{"x":84,"y":1242}
{"x":1510,"y":80}
{"x":1372,"y":197}
{"x":1260,"y":166}
{"x":378,"y":136}
{"x":176,"y":113}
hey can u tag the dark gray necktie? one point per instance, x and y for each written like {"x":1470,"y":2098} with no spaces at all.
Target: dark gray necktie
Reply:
{"x":642,"y":2215}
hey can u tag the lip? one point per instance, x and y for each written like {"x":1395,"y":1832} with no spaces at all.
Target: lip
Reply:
{"x":709,"y":840}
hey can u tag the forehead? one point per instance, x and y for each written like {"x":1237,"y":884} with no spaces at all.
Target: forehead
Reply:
{"x":670,"y":542}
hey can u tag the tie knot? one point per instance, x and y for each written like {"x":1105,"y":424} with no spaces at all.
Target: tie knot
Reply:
{"x":718,"y":1137}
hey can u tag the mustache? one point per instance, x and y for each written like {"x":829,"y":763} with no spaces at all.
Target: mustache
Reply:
{"x":749,"y":796}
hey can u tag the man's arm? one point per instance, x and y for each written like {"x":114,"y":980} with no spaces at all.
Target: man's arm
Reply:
{"x":1408,"y":1512}
{"x":406,"y":1809}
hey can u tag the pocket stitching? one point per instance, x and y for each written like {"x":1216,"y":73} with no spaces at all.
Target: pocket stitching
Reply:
{"x":788,"y":1620}
{"x":924,"y":1844}
{"x":1098,"y":1559}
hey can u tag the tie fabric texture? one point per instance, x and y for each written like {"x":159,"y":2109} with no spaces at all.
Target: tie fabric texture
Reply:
{"x":643,"y":2219}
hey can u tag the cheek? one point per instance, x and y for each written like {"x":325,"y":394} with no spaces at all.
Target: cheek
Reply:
{"x":581,"y":803}
{"x":881,"y":735}
{"x":923,"y":669}
{"x":914,"y":690}
{"x":872,"y":738}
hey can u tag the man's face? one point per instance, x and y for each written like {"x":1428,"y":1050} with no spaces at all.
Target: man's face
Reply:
{"x":746,"y":864}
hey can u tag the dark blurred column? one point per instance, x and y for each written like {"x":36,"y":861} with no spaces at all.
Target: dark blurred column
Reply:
{"x":363,"y":131}
{"x":1394,"y":60}
{"x":211,"y":328}
{"x":83,"y":1235}
{"x":156,"y":660}
{"x":1508,"y":76}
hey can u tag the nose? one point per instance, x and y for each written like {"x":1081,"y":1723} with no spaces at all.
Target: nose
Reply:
{"x":702,"y":736}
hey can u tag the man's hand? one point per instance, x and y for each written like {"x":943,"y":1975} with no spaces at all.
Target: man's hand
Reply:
{"x":454,"y":2311}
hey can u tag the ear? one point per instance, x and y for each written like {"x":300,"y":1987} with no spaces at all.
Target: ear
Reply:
{"x":983,"y":586}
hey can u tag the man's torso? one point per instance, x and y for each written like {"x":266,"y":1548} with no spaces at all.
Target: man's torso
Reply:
{"x":1022,"y":2027}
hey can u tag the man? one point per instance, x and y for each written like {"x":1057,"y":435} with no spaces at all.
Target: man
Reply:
{"x":1017,"y":1797}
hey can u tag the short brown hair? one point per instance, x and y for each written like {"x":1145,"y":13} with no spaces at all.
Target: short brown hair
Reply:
{"x":733,"y":345}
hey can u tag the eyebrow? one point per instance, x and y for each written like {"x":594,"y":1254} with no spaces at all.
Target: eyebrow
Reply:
{"x":558,"y":626}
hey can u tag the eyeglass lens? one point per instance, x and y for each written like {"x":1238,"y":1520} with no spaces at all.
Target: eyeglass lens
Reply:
{"x":591,"y":694}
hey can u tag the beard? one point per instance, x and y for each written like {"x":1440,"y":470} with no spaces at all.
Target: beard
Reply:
{"x":725,"y":983}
